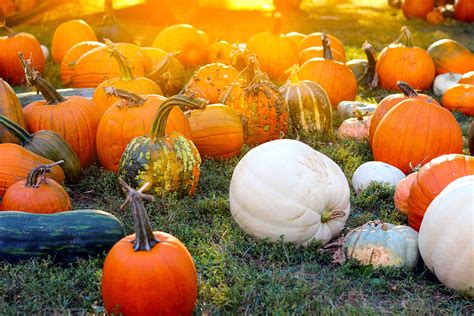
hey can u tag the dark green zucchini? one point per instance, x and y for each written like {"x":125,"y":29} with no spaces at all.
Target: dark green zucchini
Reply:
{"x":63,"y":236}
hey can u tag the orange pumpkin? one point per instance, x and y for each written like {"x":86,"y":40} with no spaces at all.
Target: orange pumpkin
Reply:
{"x":464,"y":10}
{"x":435,"y":17}
{"x":315,"y":40}
{"x":126,"y":81}
{"x":220,"y":52}
{"x":69,"y":34}
{"x":417,"y":9}
{"x":210,"y":81}
{"x":335,"y":77}
{"x":184,"y":40}
{"x":8,"y":7}
{"x":296,"y":37}
{"x":402,"y":192}
{"x":169,"y":74}
{"x":261,"y":105}
{"x":414,"y":132}
{"x":460,"y":97}
{"x":467,"y":78}
{"x":72,"y":56}
{"x":318,"y":51}
{"x":155,"y":56}
{"x":217,"y":131}
{"x":17,"y":162}
{"x":276,"y":53}
{"x":37,"y":194}
{"x":431,"y":180}
{"x":74,"y":118}
{"x":413,"y":64}
{"x":134,"y":115}
{"x":10,"y":107}
{"x":451,"y":56}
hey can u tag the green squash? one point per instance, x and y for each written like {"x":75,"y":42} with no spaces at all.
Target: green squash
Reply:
{"x":48,"y":144}
{"x":383,"y":245}
{"x":169,"y":163}
{"x":64,"y":236}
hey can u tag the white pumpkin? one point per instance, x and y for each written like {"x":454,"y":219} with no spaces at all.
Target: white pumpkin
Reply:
{"x":446,"y":237}
{"x":284,"y":188}
{"x":375,"y":171}
{"x":346,"y":108}
{"x":444,"y":81}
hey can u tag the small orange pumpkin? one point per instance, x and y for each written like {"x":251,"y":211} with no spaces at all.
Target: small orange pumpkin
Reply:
{"x":72,"y":56}
{"x":69,"y":34}
{"x":435,"y":17}
{"x":417,"y":9}
{"x":464,"y":10}
{"x":402,"y":192}
{"x":459,"y":97}
{"x":467,"y":78}
{"x":169,"y":74}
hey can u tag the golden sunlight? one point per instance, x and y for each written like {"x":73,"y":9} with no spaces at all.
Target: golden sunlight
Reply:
{"x":260,"y":5}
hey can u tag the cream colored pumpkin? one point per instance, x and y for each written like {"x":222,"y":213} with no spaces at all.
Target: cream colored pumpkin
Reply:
{"x":284,"y":188}
{"x":375,"y":171}
{"x":356,"y":127}
{"x":444,"y":81}
{"x":446,"y":237}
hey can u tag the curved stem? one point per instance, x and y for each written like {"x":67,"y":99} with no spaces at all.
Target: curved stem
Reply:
{"x":277,"y":23}
{"x":327,"y":53}
{"x":145,"y":240}
{"x":251,"y":67}
{"x":183,"y":102}
{"x":328,"y":215}
{"x":34,"y":78}
{"x":405,"y":37}
{"x":109,"y":13}
{"x":407,"y":89}
{"x":19,"y":132}
{"x":124,"y":95}
{"x":124,"y":63}
{"x":370,"y":74}
{"x":37,"y":175}
{"x":293,"y":78}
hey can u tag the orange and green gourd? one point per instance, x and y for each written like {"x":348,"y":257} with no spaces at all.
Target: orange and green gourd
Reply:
{"x":170,"y":163}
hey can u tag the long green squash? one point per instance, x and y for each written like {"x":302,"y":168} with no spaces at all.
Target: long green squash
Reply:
{"x":48,"y":144}
{"x":63,"y":236}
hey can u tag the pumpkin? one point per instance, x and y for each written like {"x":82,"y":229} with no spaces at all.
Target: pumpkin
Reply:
{"x":444,"y":81}
{"x":7,"y":7}
{"x":364,"y":70}
{"x":220,"y":52}
{"x":134,"y":115}
{"x":10,"y":107}
{"x":383,"y":245}
{"x":69,"y":34}
{"x":97,"y":65}
{"x":210,"y":81}
{"x":308,"y":104}
{"x":47,"y":144}
{"x":470,"y":139}
{"x":347,"y":109}
{"x":311,"y":203}
{"x":414,"y":132}
{"x":431,"y":180}
{"x":275,"y":52}
{"x":169,"y":162}
{"x":126,"y":81}
{"x":110,"y":28}
{"x":402,"y":192}
{"x":375,"y":171}
{"x":154,"y":56}
{"x":413,"y":64}
{"x":459,"y":97}
{"x":316,"y":39}
{"x":334,"y":77}
{"x":451,"y":56}
{"x":445,"y":238}
{"x":296,"y":37}
{"x":169,"y":74}
{"x":17,"y":162}
{"x":217,"y":131}
{"x":464,"y":10}
{"x":185,"y":41}
{"x":356,"y":127}
{"x":388,"y":103}
{"x":37,"y":194}
{"x":417,"y":9}
{"x":72,"y":55}
{"x":261,"y":105}
{"x":435,"y":17}
{"x":12,"y":44}
{"x":467,"y":78}
{"x":148,"y":273}
{"x":73,"y":118}
{"x":318,"y":52}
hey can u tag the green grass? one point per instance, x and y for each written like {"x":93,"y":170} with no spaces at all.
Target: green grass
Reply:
{"x":238,"y":274}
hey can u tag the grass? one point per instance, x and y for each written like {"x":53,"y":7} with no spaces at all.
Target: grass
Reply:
{"x":238,"y":274}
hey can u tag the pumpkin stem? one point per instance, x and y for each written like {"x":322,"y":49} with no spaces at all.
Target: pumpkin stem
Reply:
{"x":124,"y":63}
{"x":145,"y":240}
{"x":3,"y":24}
{"x":328,"y":215}
{"x":18,"y":131}
{"x":327,"y":53}
{"x":405,"y":37}
{"x":183,"y":102}
{"x":370,"y":75}
{"x":109,"y":13}
{"x":359,"y":115}
{"x":407,"y":89}
{"x":134,"y":99}
{"x":37,"y":175}
{"x":293,"y":70}
{"x":34,"y":78}
{"x":276,"y":23}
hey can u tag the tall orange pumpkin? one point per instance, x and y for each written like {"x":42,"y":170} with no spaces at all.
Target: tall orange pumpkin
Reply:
{"x":417,"y":9}
{"x":69,"y":34}
{"x":431,"y":180}
{"x":261,"y":105}
{"x":464,"y":10}
{"x":401,"y":61}
{"x":72,"y":56}
{"x":451,"y":56}
{"x":10,"y":107}
{"x":414,"y":132}
{"x":276,"y":53}
{"x":459,"y":97}
{"x":335,"y":77}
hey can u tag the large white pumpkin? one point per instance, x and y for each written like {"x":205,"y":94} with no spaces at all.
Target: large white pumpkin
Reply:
{"x":446,"y":237}
{"x":375,"y":171}
{"x":284,"y":188}
{"x":445,"y":81}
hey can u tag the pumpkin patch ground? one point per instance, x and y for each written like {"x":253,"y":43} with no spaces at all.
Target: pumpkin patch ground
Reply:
{"x":236,"y":272}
